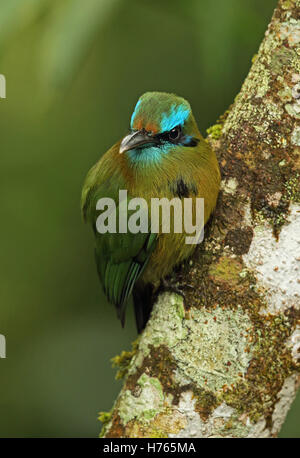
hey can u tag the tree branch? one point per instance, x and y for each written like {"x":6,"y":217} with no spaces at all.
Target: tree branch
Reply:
{"x":224,"y":363}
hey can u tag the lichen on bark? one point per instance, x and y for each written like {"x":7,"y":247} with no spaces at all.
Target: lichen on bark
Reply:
{"x":225,"y":361}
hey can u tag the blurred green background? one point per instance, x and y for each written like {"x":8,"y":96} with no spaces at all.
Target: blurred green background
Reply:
{"x":74,"y":70}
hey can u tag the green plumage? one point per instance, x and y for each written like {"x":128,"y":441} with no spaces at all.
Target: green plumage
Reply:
{"x":151,"y":165}
{"x":120,"y":258}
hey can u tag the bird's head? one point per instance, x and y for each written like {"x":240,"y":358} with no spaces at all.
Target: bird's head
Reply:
{"x":160,"y":123}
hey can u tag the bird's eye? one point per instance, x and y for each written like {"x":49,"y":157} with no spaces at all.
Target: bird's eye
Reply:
{"x":175,"y":133}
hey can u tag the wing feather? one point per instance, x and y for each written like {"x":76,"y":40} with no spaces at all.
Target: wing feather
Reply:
{"x":120,"y":258}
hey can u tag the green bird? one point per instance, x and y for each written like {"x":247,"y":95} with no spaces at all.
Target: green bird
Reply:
{"x":163,"y":156}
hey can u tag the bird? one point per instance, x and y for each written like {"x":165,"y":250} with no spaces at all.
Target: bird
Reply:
{"x":164,"y":155}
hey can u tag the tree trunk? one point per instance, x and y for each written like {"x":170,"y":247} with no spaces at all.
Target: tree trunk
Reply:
{"x":224,"y":362}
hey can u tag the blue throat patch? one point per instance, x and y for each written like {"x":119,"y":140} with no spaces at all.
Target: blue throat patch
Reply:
{"x":149,"y":154}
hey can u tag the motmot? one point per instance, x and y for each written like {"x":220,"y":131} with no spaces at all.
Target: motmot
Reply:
{"x":163,"y":156}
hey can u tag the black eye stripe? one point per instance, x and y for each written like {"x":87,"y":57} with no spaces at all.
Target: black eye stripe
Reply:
{"x":184,"y":140}
{"x":190,"y":141}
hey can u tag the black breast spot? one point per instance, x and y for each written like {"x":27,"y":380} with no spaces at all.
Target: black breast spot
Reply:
{"x":181,"y":189}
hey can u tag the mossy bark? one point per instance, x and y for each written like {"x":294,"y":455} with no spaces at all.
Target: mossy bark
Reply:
{"x":225,"y":361}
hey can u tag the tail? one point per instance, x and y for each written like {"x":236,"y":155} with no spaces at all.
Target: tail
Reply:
{"x":143,"y":303}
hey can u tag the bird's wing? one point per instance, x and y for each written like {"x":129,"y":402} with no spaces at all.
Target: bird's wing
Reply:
{"x":119,"y":274}
{"x":120,"y":257}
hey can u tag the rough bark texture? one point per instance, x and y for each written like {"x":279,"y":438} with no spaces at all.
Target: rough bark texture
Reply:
{"x":225,"y":362}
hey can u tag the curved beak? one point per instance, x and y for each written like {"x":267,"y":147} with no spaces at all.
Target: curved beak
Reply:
{"x":136,"y":140}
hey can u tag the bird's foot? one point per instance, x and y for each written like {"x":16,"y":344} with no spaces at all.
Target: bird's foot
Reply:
{"x":172,"y":286}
